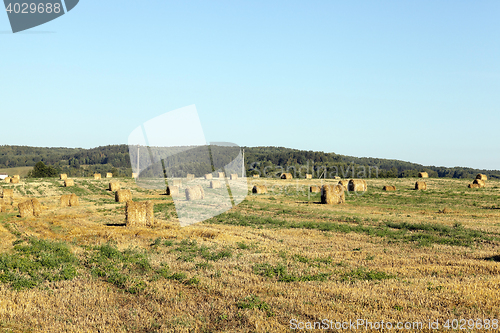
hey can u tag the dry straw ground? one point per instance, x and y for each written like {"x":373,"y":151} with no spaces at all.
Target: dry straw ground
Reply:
{"x":405,"y":255}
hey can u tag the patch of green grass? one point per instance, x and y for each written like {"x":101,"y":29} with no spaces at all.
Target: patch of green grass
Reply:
{"x":35,"y":261}
{"x":280,"y":272}
{"x":362,"y":273}
{"x":253,"y":302}
{"x":189,"y":250}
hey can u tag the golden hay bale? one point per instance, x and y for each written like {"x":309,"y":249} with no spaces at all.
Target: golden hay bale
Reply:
{"x":190,"y":176}
{"x":389,"y":188}
{"x":14,"y":180}
{"x":337,"y":177}
{"x":357,"y":185}
{"x":344,"y":183}
{"x":7,"y":180}
{"x":420,"y":185}
{"x":17,"y":177}
{"x":423,"y":175}
{"x":139,"y":214}
{"x":215,"y":184}
{"x":315,"y":189}
{"x":482,"y":177}
{"x":97,"y":176}
{"x":255,"y":176}
{"x":234,"y":176}
{"x":172,"y":190}
{"x":64,"y":201}
{"x":195,"y":193}
{"x":69,"y":182}
{"x":134,"y":175}
{"x":474,"y":186}
{"x":480,"y":182}
{"x":123,"y":195}
{"x":332,"y":194}
{"x":109,"y":175}
{"x":308,"y":176}
{"x":209,"y":176}
{"x":114,"y":186}
{"x":63,"y":176}
{"x":178,"y":183}
{"x":286,"y":175}
{"x":7,"y":193}
{"x":221,"y":174}
{"x":259,"y":189}
{"x":29,"y":208}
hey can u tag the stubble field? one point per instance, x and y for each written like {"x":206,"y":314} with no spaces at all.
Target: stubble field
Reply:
{"x":275,"y":259}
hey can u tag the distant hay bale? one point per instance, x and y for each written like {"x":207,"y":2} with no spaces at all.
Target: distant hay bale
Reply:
{"x":63,"y":176}
{"x":109,"y":175}
{"x":177,"y":182}
{"x":259,"y":189}
{"x":315,"y":189}
{"x":14,"y":180}
{"x":123,"y":196}
{"x":420,"y":185}
{"x":7,"y":180}
{"x":17,"y":177}
{"x":308,"y":176}
{"x":474,"y":186}
{"x":345,"y":184}
{"x":69,"y":200}
{"x":7,"y":193}
{"x":332,"y":194}
{"x":139,"y":214}
{"x":195,"y":193}
{"x":114,"y":186}
{"x":172,"y":190}
{"x":30,"y":208}
{"x":479,"y":182}
{"x":336,"y":177}
{"x":209,"y":176}
{"x":389,"y":188}
{"x":73,"y":200}
{"x":134,"y":175}
{"x":234,"y":176}
{"x":215,"y":184}
{"x":423,"y":175}
{"x":221,"y":174}
{"x":286,"y":175}
{"x":357,"y":185}
{"x":69,"y":182}
{"x":64,"y":201}
{"x":255,"y":176}
{"x":190,"y":176}
{"x":482,"y":177}
{"x":97,"y":176}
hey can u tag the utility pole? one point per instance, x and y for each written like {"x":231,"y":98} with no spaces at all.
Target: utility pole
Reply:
{"x":243,"y":165}
{"x":138,"y":170}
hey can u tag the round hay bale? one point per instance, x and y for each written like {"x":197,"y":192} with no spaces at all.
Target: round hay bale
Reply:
{"x":314,"y":189}
{"x":109,"y":175}
{"x":17,"y":177}
{"x":69,"y":182}
{"x":134,"y":175}
{"x":14,"y":180}
{"x":7,"y":180}
{"x":332,"y":194}
{"x":233,"y":176}
{"x":423,"y":175}
{"x":255,"y":176}
{"x":139,"y":214}
{"x":215,"y":184}
{"x":420,"y":185}
{"x":259,"y":189}
{"x":221,"y":175}
{"x":7,"y":193}
{"x":345,"y":184}
{"x":482,"y":177}
{"x":114,"y":186}
{"x":64,"y":201}
{"x":30,"y":208}
{"x":286,"y":175}
{"x":357,"y":185}
{"x":479,"y":182}
{"x":172,"y":190}
{"x":190,"y":176}
{"x":177,"y":182}
{"x":209,"y":176}
{"x":389,"y":188}
{"x":97,"y":176}
{"x":194,"y":193}
{"x":473,"y":186}
{"x":63,"y":176}
{"x":336,"y":177}
{"x":308,"y":176}
{"x":123,"y":195}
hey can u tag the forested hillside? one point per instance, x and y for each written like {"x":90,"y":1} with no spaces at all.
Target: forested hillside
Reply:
{"x":270,"y":161}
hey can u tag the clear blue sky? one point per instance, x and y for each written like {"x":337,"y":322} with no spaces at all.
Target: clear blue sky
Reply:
{"x":417,"y":81}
